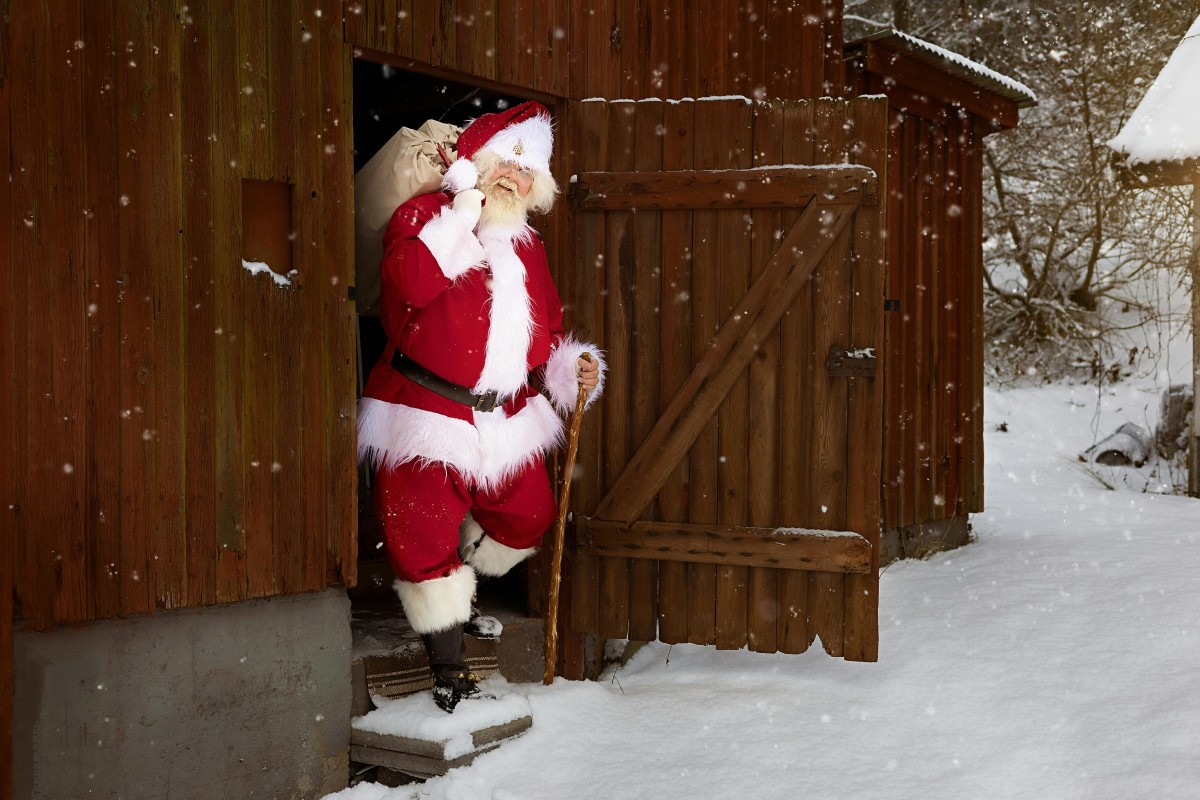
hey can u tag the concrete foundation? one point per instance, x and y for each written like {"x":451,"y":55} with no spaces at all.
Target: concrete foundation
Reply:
{"x":250,"y":700}
{"x":924,"y":539}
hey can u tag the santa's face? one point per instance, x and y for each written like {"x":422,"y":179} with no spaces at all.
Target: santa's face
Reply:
{"x":506,"y":188}
{"x":512,"y":178}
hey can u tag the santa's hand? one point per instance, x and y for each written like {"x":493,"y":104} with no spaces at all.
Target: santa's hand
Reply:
{"x":468,"y":204}
{"x":587,"y":370}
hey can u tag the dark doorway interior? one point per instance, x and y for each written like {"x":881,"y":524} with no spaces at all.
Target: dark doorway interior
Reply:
{"x":387,"y":99}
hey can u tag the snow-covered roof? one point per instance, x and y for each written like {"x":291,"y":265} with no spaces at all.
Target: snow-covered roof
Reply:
{"x":960,"y":66}
{"x":1165,"y":127}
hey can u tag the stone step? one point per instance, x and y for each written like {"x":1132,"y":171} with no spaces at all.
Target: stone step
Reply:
{"x":390,"y":674}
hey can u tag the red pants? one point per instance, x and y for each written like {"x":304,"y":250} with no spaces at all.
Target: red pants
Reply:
{"x":420,"y":509}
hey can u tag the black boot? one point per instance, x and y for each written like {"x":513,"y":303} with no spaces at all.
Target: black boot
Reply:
{"x":452,"y":681}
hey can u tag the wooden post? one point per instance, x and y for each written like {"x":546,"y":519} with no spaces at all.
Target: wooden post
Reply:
{"x":564,"y":498}
{"x":1194,"y":449}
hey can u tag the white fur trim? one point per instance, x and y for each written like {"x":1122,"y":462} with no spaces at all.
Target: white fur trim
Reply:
{"x":452,"y":243}
{"x":461,"y":175}
{"x":561,"y":380}
{"x":470,"y":533}
{"x":536,"y":138}
{"x":494,"y":559}
{"x":511,"y":318}
{"x":438,"y":604}
{"x":487,"y":453}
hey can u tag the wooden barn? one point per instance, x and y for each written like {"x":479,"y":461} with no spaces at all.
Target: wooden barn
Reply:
{"x":1160,"y":146}
{"x":784,"y":275}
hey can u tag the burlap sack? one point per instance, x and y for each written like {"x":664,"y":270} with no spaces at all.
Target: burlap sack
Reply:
{"x":408,"y":165}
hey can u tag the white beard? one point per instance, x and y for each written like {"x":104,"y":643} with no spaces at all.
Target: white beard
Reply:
{"x":503,"y":209}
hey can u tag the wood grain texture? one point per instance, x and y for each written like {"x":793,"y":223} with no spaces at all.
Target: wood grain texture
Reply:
{"x":723,"y":360}
{"x":778,"y":187}
{"x":815,"y":550}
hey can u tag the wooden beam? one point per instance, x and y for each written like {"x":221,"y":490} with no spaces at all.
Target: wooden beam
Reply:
{"x":773,"y":187}
{"x":697,"y":400}
{"x":784,"y":548}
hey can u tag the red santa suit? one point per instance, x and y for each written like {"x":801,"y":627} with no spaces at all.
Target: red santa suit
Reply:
{"x":477,"y":308}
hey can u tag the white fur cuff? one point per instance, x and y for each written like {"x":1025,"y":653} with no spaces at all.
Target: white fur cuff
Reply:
{"x":461,"y":176}
{"x":452,"y":243}
{"x":561,"y":379}
{"x":494,"y":559}
{"x":439,"y":604}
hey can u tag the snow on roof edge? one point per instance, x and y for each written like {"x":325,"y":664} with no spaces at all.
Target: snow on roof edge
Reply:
{"x":984,"y":77}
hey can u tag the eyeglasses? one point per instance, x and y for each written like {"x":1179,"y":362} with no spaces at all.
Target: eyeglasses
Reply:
{"x":523,"y":175}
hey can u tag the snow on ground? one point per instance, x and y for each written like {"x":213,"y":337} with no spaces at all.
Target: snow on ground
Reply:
{"x":1055,"y":657}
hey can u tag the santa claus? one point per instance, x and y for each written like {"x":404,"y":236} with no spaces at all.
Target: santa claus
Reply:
{"x":449,"y":417}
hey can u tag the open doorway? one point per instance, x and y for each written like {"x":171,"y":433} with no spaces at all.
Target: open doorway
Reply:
{"x":386,"y":99}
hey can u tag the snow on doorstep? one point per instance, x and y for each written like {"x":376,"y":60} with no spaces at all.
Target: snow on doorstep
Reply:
{"x":1166,"y":124}
{"x":416,"y":717}
{"x":260,"y":267}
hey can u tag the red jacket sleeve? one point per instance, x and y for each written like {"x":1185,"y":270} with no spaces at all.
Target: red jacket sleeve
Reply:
{"x":425,"y":248}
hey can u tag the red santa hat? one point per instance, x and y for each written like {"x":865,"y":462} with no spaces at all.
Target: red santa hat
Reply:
{"x":523,"y":134}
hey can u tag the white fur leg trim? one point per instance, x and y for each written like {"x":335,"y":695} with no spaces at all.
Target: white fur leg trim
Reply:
{"x":438,"y":604}
{"x":495,"y":559}
{"x":452,"y":243}
{"x":461,"y":175}
{"x":561,"y":379}
{"x":470,"y":533}
{"x":487,"y":453}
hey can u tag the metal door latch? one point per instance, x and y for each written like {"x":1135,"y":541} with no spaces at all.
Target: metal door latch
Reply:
{"x":855,"y":362}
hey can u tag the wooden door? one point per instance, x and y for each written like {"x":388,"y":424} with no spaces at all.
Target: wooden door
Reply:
{"x":728,"y":258}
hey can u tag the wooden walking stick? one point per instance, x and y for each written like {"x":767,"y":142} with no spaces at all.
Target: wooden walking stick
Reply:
{"x":564,"y":496}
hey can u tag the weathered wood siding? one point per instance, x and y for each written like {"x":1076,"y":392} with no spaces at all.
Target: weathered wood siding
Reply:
{"x":182,"y":429}
{"x":933,"y":451}
{"x":617,"y":48}
{"x":933,"y":412}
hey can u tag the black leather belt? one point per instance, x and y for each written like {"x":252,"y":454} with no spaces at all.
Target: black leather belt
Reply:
{"x":448,"y":389}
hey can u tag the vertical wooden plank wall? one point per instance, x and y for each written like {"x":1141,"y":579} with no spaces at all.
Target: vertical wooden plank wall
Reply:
{"x":764,"y":424}
{"x":796,"y":409}
{"x":181,"y":444}
{"x":589,"y":124}
{"x":826,"y":454}
{"x":933,"y":450}
{"x":868,"y":145}
{"x":646,"y":357}
{"x":707,"y":264}
{"x":618,"y":302}
{"x":8,"y":467}
{"x":677,"y":358}
{"x":735,"y":134}
{"x":617,"y":48}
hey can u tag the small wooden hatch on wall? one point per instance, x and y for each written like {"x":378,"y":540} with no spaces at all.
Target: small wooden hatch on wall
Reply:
{"x":267,"y":224}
